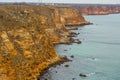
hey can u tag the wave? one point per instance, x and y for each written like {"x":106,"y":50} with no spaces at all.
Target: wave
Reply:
{"x":92,"y":58}
{"x":90,"y":74}
{"x":96,"y":73}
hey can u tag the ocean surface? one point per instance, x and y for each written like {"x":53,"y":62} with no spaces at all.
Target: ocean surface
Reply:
{"x":98,"y":56}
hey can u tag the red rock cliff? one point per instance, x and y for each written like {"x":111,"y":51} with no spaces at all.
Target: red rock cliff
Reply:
{"x":93,"y":9}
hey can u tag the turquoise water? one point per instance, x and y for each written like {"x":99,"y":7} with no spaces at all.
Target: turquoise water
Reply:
{"x":99,"y":54}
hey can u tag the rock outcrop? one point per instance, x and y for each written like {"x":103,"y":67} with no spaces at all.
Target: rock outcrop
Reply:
{"x":27,"y":35}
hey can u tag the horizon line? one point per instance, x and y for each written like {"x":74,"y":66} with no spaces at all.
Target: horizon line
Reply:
{"x":57,"y":3}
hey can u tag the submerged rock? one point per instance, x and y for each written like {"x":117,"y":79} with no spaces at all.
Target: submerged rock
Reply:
{"x":82,"y":75}
{"x":65,"y":50}
{"x":72,"y":56}
{"x":66,"y":65}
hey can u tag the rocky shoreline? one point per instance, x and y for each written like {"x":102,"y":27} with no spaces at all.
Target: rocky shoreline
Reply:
{"x":28,"y":34}
{"x":62,"y":60}
{"x":65,"y":58}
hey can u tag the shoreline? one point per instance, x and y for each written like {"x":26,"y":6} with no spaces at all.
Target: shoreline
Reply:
{"x":62,"y":59}
{"x":70,"y":38}
{"x":88,"y":58}
{"x":59,"y":61}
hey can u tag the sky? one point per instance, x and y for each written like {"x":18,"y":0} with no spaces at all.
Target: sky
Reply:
{"x":68,"y":1}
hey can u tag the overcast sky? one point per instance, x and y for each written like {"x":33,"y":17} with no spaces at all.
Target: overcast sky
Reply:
{"x":68,"y":1}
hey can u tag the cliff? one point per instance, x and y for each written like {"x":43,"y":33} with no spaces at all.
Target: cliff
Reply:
{"x":25,"y":48}
{"x":24,"y":53}
{"x":71,"y":16}
{"x":27,"y":35}
{"x":94,"y":9}
{"x":64,"y":16}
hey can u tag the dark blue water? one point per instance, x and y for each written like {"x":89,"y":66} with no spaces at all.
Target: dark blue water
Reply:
{"x":99,"y":54}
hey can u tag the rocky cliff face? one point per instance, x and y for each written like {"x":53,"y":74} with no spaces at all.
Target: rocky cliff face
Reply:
{"x":71,"y":16}
{"x":64,"y":16}
{"x":98,"y":9}
{"x":27,"y":34}
{"x":25,"y":48}
{"x":24,"y":52}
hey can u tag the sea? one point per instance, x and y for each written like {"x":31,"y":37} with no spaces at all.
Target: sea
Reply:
{"x":97,"y":57}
